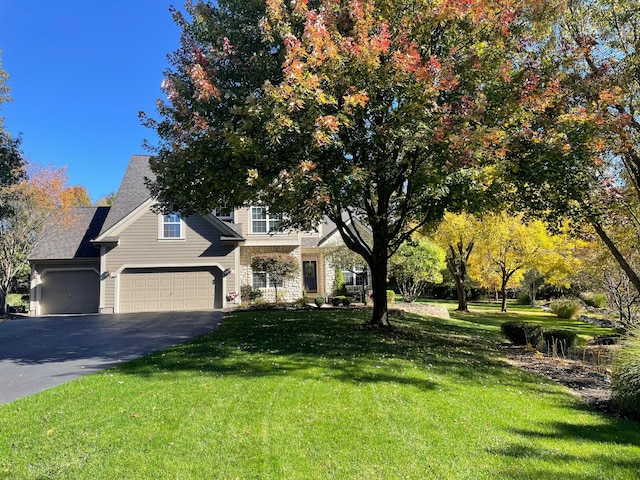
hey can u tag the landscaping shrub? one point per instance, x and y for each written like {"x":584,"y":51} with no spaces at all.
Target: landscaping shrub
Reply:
{"x":319,"y":301}
{"x":391,"y":297}
{"x":346,"y":302}
{"x":338,"y":300}
{"x":522,"y":333}
{"x":523,"y":298}
{"x":625,"y":380}
{"x":565,"y":338}
{"x":249,"y":294}
{"x":595,"y":300}
{"x":566,"y":309}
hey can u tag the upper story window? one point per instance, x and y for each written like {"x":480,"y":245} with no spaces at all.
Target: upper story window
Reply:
{"x":223,"y":213}
{"x":171,"y":226}
{"x":262,"y":221}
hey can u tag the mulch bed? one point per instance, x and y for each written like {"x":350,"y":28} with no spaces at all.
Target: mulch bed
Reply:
{"x":590,"y":383}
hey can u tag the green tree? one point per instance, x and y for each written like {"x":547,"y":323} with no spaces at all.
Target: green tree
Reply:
{"x":416,"y":263}
{"x":278,"y":267}
{"x":11,"y":159}
{"x":591,"y":171}
{"x":387,"y":112}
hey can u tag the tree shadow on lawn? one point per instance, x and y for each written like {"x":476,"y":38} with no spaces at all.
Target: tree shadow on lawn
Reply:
{"x":618,"y":440}
{"x":335,"y":344}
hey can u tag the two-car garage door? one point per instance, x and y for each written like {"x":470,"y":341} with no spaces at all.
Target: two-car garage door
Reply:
{"x":151,"y":290}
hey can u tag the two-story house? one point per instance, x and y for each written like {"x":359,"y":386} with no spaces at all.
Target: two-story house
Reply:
{"x":128,"y":258}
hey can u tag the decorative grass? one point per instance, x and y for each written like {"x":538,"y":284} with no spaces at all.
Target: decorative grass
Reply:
{"x":314,"y":395}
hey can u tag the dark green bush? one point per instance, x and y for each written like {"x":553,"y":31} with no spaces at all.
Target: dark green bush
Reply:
{"x":346,"y":302}
{"x":319,"y":301}
{"x":338,"y":300}
{"x":566,"y":309}
{"x":625,"y":380}
{"x":523,"y":298}
{"x":522,"y":333}
{"x":249,"y":294}
{"x":564,"y":338}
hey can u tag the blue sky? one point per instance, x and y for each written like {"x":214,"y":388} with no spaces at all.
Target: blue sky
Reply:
{"x":79,"y":72}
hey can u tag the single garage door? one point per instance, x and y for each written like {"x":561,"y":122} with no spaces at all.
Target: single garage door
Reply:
{"x":72,"y":291}
{"x":156,"y":290}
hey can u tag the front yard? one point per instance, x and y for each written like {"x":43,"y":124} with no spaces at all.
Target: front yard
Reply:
{"x":312,"y":394}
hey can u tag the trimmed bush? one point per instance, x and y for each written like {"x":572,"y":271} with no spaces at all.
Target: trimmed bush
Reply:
{"x":249,"y":294}
{"x":346,"y":302}
{"x":523,"y":298}
{"x":391,"y":297}
{"x":566,"y":309}
{"x":566,"y":338}
{"x":522,"y":333}
{"x":625,"y":380}
{"x":319,"y":301}
{"x":338,"y":300}
{"x":595,"y":300}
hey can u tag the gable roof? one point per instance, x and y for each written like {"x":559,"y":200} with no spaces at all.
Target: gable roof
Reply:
{"x":132,"y":192}
{"x":69,"y":237}
{"x":134,"y":199}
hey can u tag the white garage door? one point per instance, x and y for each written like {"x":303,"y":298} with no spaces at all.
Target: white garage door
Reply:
{"x":70,"y":291}
{"x":156,"y":290}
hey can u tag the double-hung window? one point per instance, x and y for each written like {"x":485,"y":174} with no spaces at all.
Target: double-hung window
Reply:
{"x":262,"y":280}
{"x":355,"y":277}
{"x":264,"y":222}
{"x":171,"y":227}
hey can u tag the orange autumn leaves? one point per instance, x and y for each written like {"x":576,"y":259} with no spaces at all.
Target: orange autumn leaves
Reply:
{"x":46,"y":191}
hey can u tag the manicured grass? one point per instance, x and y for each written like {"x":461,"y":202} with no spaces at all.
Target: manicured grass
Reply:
{"x":313,"y":395}
{"x":489,"y":315}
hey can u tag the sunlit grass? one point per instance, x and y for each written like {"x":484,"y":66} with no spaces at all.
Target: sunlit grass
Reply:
{"x":313,"y":395}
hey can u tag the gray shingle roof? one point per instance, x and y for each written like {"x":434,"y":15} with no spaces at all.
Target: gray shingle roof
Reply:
{"x":69,"y":237}
{"x":132,"y":192}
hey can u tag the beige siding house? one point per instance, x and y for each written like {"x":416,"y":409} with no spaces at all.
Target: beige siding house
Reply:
{"x":128,"y":258}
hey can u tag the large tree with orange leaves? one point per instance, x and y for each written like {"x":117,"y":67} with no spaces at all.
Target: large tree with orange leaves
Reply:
{"x":43,"y":195}
{"x":385,"y":111}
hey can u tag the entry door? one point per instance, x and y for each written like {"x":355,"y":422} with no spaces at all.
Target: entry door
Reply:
{"x":310,"y":277}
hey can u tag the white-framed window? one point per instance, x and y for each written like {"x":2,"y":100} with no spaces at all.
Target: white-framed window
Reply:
{"x":355,"y":277}
{"x":223,"y":213}
{"x":171,"y":227}
{"x":262,"y":221}
{"x":262,"y":280}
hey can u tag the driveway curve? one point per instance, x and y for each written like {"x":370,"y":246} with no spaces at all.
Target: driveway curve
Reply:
{"x":37,"y":353}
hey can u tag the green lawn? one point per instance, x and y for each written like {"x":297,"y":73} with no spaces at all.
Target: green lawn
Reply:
{"x":313,"y":395}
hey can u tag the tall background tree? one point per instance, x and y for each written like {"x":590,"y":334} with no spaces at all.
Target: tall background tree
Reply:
{"x":388,"y":112}
{"x":588,"y":168}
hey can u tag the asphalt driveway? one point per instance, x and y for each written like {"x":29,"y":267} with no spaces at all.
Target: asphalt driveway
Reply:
{"x":37,"y":353}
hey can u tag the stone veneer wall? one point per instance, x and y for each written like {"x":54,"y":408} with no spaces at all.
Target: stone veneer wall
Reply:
{"x":292,"y":288}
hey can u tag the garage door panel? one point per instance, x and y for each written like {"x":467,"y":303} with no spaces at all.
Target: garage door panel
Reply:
{"x":166,"y":290}
{"x":70,"y":291}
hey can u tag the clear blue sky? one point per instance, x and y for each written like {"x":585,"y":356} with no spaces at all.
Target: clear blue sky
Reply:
{"x":79,"y":72}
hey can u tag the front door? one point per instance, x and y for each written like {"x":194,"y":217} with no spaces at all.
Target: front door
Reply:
{"x":309,"y":273}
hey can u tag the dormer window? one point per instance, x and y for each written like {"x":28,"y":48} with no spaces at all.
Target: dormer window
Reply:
{"x":171,"y":227}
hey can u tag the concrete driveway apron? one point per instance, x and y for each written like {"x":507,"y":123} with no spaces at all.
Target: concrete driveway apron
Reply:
{"x":37,"y":353}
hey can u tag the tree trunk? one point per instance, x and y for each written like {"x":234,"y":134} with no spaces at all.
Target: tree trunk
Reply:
{"x":457,"y":265}
{"x":626,"y":267}
{"x":462,"y":295}
{"x":380,"y":316}
{"x":503,"y":291}
{"x":3,"y":301}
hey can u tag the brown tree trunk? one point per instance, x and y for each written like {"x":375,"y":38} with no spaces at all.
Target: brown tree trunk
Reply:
{"x":380,"y":317}
{"x":626,"y":267}
{"x":457,"y":264}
